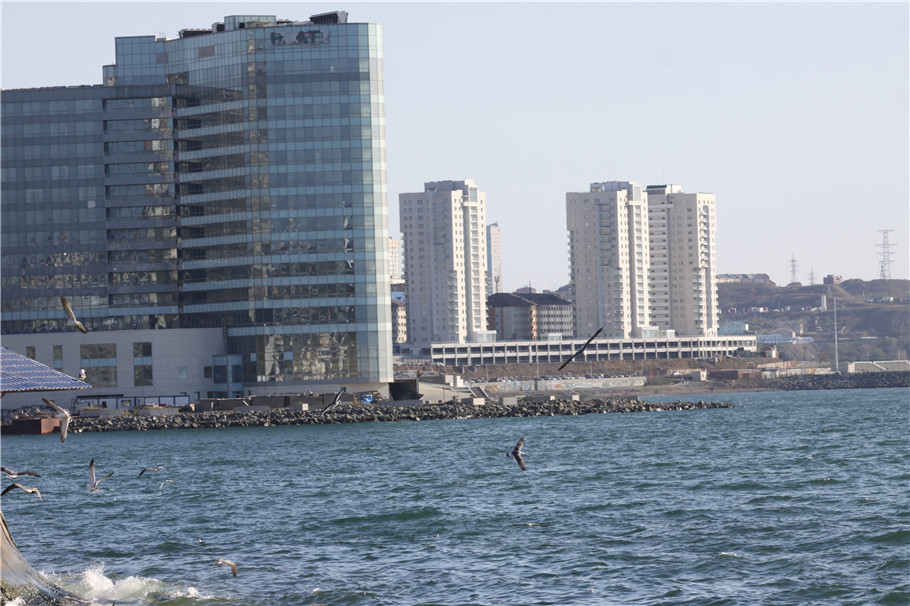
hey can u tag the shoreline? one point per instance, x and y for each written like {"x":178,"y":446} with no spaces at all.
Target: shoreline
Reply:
{"x":381,"y":413}
{"x":870,"y":380}
{"x":625,"y":400}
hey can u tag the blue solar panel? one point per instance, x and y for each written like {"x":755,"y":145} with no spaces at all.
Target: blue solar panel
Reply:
{"x":18,"y":373}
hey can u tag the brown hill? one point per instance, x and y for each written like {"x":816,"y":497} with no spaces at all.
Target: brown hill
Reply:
{"x":740,"y":295}
{"x":873,"y":317}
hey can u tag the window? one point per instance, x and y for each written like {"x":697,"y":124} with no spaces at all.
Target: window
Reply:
{"x":100,"y":364}
{"x":142,"y":365}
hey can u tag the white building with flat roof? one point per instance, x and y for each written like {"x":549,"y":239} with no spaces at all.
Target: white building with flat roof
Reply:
{"x":683,"y":276}
{"x":444,"y":230}
{"x":609,"y":259}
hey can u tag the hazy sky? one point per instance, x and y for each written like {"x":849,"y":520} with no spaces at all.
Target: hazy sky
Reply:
{"x":794,"y":114}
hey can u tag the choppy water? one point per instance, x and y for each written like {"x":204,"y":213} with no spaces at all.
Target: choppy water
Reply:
{"x":789,"y":498}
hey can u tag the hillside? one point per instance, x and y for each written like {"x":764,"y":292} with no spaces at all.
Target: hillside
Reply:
{"x":736,"y":295}
{"x":868,"y":327}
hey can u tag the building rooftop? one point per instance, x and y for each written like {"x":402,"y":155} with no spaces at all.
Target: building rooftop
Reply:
{"x":525,"y":299}
{"x":235,"y":22}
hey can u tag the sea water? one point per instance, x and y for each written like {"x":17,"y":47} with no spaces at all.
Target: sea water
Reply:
{"x":787,"y":498}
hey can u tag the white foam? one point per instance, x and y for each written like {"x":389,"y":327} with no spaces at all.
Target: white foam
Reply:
{"x":92,"y":584}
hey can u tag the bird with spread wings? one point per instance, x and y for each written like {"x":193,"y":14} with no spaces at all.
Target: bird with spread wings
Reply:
{"x":71,"y":317}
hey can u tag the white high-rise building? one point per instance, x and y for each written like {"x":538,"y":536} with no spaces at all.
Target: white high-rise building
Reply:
{"x":395,"y":270}
{"x":444,"y":230}
{"x":683,"y":262}
{"x":494,"y":259}
{"x":609,"y":259}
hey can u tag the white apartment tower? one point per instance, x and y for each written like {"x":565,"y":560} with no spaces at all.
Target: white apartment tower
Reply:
{"x":444,"y":230}
{"x":494,"y":259}
{"x":683,"y":262}
{"x":395,"y":272}
{"x":609,"y":258}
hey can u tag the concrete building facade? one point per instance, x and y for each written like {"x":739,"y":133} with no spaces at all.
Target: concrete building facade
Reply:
{"x":396,"y":266}
{"x":444,"y":230}
{"x":683,"y":276}
{"x":494,"y":259}
{"x":609,"y":259}
{"x":529,"y":316}
{"x":399,"y":321}
{"x":231,"y":179}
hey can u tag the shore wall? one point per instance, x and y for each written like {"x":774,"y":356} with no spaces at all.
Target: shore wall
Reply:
{"x":862,"y":380}
{"x":384,"y":413}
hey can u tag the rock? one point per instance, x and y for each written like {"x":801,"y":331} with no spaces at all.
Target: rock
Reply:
{"x":376,"y":413}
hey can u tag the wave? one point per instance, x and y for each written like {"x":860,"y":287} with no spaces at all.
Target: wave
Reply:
{"x":397,"y":516}
{"x":94,"y":585}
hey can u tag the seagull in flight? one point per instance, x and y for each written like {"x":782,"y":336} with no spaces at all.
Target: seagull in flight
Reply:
{"x":581,"y":349}
{"x":12,"y":475}
{"x":71,"y":317}
{"x":160,"y":486}
{"x":516,"y":453}
{"x":154,"y":469}
{"x":28,"y":489}
{"x":223,"y":562}
{"x":335,"y":401}
{"x":64,"y":416}
{"x":92,"y":485}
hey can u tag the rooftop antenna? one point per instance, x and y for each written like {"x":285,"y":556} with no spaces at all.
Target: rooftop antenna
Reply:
{"x":794,"y":277}
{"x":885,"y":254}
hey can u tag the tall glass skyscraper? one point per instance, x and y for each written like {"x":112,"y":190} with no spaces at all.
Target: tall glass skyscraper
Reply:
{"x":232,"y":180}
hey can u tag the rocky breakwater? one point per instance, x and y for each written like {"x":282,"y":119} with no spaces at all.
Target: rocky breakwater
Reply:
{"x":860,"y":380}
{"x":378,"y":413}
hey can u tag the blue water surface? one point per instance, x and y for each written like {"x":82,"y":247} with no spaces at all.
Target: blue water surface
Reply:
{"x":788,"y":498}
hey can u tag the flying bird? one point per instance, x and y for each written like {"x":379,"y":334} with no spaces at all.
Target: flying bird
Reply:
{"x":92,"y":485}
{"x":12,"y":475}
{"x":154,"y":469}
{"x":223,"y":562}
{"x":71,"y":317}
{"x":581,"y":349}
{"x":28,"y":489}
{"x":64,"y":416}
{"x":335,"y":401}
{"x":160,"y":486}
{"x":516,"y":453}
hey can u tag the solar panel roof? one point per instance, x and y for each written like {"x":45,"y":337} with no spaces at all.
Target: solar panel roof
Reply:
{"x":18,"y":373}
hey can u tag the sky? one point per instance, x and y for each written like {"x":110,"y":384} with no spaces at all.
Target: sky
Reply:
{"x":795,"y":115}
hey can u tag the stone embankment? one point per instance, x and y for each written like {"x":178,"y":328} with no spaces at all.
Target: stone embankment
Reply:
{"x":377,"y":413}
{"x":862,"y":380}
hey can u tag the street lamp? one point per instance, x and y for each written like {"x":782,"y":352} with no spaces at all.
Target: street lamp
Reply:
{"x":836,"y":359}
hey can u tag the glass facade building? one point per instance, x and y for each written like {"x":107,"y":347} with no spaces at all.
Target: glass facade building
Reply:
{"x":232,"y":178}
